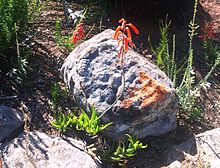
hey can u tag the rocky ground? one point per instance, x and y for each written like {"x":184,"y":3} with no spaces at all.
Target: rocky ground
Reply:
{"x":46,"y":58}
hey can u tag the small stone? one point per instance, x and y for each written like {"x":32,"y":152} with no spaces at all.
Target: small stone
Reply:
{"x":11,"y":122}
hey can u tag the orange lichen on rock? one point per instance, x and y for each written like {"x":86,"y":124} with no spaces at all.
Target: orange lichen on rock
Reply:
{"x":149,"y":93}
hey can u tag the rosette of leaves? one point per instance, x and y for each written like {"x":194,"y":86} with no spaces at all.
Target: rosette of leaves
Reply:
{"x":63,"y":122}
{"x":127,"y":150}
{"x":91,"y":125}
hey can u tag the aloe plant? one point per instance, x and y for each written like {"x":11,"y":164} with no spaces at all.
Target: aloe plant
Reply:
{"x":91,"y":124}
{"x":63,"y":122}
{"x":127,"y":150}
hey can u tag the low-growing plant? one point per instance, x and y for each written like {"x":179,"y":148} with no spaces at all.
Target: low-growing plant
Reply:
{"x":62,"y":40}
{"x":164,"y":58}
{"x":188,"y":90}
{"x":63,"y":122}
{"x":127,"y":149}
{"x":19,"y":13}
{"x":91,"y":125}
{"x":209,"y":48}
{"x":57,"y":93}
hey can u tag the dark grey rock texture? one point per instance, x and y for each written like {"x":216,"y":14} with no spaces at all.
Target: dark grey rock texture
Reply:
{"x":149,"y":103}
{"x":11,"y":121}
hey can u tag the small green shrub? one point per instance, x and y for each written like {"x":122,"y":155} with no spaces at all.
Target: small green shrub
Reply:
{"x":209,"y":46}
{"x":165,"y":59}
{"x":62,"y":40}
{"x":19,"y":13}
{"x":63,"y":122}
{"x":91,"y":125}
{"x":188,"y":90}
{"x":57,"y":93}
{"x":12,"y":12}
{"x":83,"y":122}
{"x":127,"y":149}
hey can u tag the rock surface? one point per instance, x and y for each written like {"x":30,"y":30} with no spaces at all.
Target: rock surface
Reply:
{"x":203,"y":150}
{"x":11,"y":121}
{"x":149,"y":104}
{"x":46,"y":152}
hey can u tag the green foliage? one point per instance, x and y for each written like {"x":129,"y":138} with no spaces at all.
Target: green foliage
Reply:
{"x":165,"y":59}
{"x":185,"y":90}
{"x":34,"y":6}
{"x":63,"y":122}
{"x":12,"y":12}
{"x":65,"y":40}
{"x":211,"y":51}
{"x":83,"y":122}
{"x":19,"y":13}
{"x":57,"y":93}
{"x":91,"y":125}
{"x":19,"y":70}
{"x":62,"y":40}
{"x":188,"y":91}
{"x":127,"y":149}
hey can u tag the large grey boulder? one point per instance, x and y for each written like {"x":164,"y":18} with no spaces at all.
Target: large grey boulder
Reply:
{"x":45,"y":151}
{"x":11,"y":121}
{"x":203,"y":150}
{"x":93,"y":74}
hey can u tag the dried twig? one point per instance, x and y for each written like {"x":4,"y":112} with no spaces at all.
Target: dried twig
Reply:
{"x":27,"y":117}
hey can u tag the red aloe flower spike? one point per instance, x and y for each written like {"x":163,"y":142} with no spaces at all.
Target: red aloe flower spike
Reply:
{"x":116,"y":31}
{"x":117,"y":35}
{"x":130,"y":42}
{"x":128,"y":32}
{"x":126,"y":44}
{"x":123,"y":25}
{"x":121,"y":20}
{"x":133,"y":28}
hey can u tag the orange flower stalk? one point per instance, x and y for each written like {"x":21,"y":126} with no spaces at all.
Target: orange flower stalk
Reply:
{"x":123,"y":36}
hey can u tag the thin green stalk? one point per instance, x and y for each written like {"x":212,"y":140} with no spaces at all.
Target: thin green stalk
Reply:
{"x":121,"y":89}
{"x":204,"y":80}
{"x":192,"y":32}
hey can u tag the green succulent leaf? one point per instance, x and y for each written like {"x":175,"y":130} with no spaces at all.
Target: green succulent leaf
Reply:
{"x":129,"y":154}
{"x":105,"y":126}
{"x":115,"y":158}
{"x":130,"y":150}
{"x":94,"y":113}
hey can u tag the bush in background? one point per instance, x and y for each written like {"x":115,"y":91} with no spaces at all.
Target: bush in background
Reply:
{"x":14,"y":17}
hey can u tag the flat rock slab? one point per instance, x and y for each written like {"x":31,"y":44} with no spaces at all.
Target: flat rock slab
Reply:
{"x":45,"y":151}
{"x":11,"y":121}
{"x":93,"y":73}
{"x":203,"y":150}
